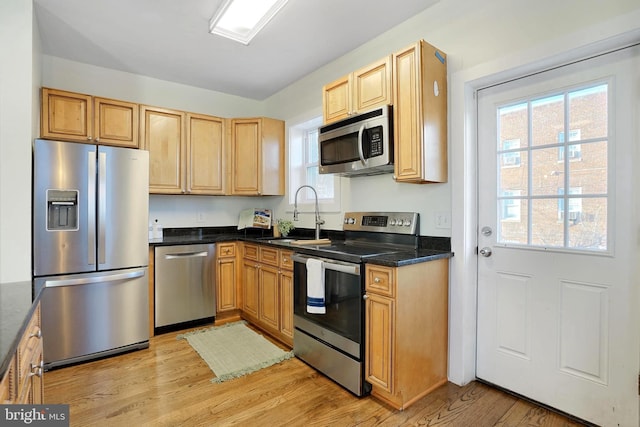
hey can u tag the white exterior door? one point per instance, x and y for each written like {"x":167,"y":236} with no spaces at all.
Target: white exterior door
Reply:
{"x":558,"y":237}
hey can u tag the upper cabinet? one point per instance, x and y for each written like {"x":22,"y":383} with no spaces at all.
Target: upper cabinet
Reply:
{"x":257,"y":157}
{"x":189,"y":153}
{"x":186,"y":151}
{"x":162,"y":134}
{"x":414,"y":80}
{"x":206,"y":154}
{"x":420,"y":114}
{"x":362,"y":90}
{"x":70,"y":116}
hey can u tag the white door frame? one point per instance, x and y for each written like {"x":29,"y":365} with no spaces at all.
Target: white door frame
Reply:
{"x":463,"y":85}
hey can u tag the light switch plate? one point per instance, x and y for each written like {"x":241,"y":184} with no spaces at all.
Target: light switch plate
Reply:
{"x":442,"y":219}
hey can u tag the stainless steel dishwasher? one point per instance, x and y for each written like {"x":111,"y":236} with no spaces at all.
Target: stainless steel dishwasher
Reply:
{"x":184,"y":283}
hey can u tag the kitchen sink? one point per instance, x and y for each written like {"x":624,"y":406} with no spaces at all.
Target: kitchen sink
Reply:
{"x":281,"y":240}
{"x":277,"y":239}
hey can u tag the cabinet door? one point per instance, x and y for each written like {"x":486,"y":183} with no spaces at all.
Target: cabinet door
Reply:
{"x":336,"y":100}
{"x":406,"y":96}
{"x":420,"y":114}
{"x":380,"y":314}
{"x":163,"y":136}
{"x":250,"y":288}
{"x":245,"y":145}
{"x":371,"y":86}
{"x":269,"y":312}
{"x":205,"y":155}
{"x":66,"y":116}
{"x":286,"y":304}
{"x":226,"y":285}
{"x":116,"y":122}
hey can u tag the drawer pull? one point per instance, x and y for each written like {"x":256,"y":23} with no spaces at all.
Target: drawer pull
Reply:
{"x":377,"y":280}
{"x":36,"y":370}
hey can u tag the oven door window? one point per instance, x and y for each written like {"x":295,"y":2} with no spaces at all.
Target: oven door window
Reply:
{"x":343,"y":302}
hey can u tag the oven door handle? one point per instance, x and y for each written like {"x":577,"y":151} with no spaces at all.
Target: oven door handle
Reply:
{"x":330,"y":264}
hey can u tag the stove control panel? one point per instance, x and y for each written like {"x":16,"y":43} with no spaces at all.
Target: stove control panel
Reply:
{"x":382,"y":222}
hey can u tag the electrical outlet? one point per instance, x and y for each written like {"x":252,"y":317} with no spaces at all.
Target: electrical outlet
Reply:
{"x":442,"y":219}
{"x":200,"y":217}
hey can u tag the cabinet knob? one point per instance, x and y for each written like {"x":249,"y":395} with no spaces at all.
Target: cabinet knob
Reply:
{"x":89,"y":138}
{"x":36,"y":370}
{"x":37,"y":334}
{"x":376,"y":280}
{"x":365,"y":297}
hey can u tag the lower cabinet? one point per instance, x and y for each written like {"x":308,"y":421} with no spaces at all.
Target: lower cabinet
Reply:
{"x":286,"y":296}
{"x":227,"y":298}
{"x":406,"y":329}
{"x":22,"y":383}
{"x":267,"y":290}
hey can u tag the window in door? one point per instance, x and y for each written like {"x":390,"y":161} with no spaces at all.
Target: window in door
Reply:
{"x":534,"y":209}
{"x":575,"y":150}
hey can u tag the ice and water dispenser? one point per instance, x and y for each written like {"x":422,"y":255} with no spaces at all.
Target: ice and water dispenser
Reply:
{"x":62,"y":210}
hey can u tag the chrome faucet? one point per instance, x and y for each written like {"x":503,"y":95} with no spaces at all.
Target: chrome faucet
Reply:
{"x":319,"y":222}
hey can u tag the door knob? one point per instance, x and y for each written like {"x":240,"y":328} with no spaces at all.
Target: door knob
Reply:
{"x":485,"y":252}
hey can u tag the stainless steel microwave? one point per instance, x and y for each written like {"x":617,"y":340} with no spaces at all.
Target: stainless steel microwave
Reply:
{"x":358,"y":145}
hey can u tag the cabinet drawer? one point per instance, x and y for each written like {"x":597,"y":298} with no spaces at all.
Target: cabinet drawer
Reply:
{"x":269,"y":255}
{"x":250,"y":252}
{"x":380,"y":280}
{"x":226,"y":250}
{"x":286,"y":263}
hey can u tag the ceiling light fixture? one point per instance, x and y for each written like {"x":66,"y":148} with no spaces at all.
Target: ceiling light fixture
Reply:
{"x":241,"y":20}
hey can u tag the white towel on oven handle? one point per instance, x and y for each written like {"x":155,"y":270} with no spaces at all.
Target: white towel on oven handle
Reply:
{"x":315,"y":287}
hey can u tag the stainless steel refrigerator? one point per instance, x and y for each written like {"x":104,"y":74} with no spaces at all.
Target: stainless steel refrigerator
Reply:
{"x":90,"y":249}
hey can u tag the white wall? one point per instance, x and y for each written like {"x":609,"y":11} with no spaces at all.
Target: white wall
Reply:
{"x":74,"y":76}
{"x":16,"y":125}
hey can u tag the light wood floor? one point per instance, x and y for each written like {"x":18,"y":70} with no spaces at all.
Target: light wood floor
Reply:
{"x":169,"y":385}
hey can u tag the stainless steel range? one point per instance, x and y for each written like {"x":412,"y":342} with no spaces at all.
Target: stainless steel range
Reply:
{"x":329,"y":281}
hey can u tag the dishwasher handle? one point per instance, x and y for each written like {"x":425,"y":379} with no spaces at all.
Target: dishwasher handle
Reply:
{"x":182,"y":255}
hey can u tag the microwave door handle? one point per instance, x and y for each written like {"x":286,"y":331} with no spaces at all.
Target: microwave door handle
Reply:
{"x":360,"y":142}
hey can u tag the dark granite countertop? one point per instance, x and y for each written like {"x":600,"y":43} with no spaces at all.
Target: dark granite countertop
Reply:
{"x":432,"y":248}
{"x":16,"y":307}
{"x":400,"y":259}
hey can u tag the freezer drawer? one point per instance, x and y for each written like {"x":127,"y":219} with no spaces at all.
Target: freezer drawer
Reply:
{"x":85,"y":316}
{"x":184,"y":283}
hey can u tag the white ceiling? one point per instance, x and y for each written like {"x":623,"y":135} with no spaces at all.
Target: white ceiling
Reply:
{"x":169,"y":39}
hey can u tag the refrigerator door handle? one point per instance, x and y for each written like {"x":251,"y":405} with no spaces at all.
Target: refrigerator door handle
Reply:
{"x":102,"y":206}
{"x":95,"y":279}
{"x":186,"y":255}
{"x":91,"y":208}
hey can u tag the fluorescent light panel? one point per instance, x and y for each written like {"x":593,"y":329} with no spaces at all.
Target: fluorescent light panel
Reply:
{"x":241,"y":20}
